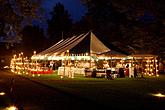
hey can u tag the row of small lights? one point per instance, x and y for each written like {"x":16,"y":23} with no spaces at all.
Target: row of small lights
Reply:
{"x":150,"y":67}
{"x":122,"y":61}
{"x":16,"y":64}
{"x":147,"y":65}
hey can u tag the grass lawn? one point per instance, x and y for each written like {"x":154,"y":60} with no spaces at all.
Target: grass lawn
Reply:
{"x":120,"y":93}
{"x":4,"y":102}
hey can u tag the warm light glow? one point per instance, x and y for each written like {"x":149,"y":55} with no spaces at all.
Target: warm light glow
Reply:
{"x":6,"y":67}
{"x":2,"y":93}
{"x":159,"y":95}
{"x":157,"y":75}
{"x":11,"y":108}
{"x":34,"y":52}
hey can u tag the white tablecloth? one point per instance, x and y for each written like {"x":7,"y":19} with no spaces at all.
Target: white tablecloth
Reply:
{"x":70,"y":71}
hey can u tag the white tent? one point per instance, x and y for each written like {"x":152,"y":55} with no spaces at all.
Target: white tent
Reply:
{"x":95,"y":46}
{"x":83,"y":51}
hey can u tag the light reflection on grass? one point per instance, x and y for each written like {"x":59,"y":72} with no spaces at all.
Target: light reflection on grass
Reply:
{"x":2,"y":93}
{"x":11,"y":108}
{"x":158,"y":95}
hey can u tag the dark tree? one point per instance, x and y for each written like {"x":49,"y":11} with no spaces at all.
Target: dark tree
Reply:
{"x":2,"y":27}
{"x":28,"y":9}
{"x":136,"y":23}
{"x":33,"y":40}
{"x":8,"y":16}
{"x":104,"y":19}
{"x":59,"y":23}
{"x":13,"y":13}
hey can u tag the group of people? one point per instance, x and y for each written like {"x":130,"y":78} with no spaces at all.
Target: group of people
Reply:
{"x":130,"y":71}
{"x":127,"y":71}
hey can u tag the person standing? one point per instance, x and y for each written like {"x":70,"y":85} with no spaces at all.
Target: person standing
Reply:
{"x":127,"y":71}
{"x":135,"y":73}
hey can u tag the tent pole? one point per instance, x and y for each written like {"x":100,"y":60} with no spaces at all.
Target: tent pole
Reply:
{"x":90,"y":60}
{"x":62,"y":34}
{"x":64,"y":67}
{"x":111,"y":61}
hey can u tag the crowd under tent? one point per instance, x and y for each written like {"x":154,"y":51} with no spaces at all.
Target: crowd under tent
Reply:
{"x":79,"y":53}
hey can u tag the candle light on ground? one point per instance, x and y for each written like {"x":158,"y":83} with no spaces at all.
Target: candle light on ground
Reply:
{"x":158,"y":95}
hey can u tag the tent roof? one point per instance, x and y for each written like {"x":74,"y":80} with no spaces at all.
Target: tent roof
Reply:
{"x":96,"y":46}
{"x":78,"y":44}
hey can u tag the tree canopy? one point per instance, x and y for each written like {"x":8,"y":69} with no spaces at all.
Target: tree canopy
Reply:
{"x":137,"y":23}
{"x":33,"y":40}
{"x":13,"y":13}
{"x":59,"y":23}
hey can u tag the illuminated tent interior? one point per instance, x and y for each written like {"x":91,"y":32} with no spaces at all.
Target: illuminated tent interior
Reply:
{"x":83,"y":51}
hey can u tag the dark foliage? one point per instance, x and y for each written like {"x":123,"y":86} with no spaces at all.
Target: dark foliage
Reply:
{"x":134,"y":26}
{"x":2,"y":27}
{"x":33,"y":40}
{"x":60,"y":23}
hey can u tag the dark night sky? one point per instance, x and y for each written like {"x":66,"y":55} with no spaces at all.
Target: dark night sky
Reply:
{"x":75,"y":8}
